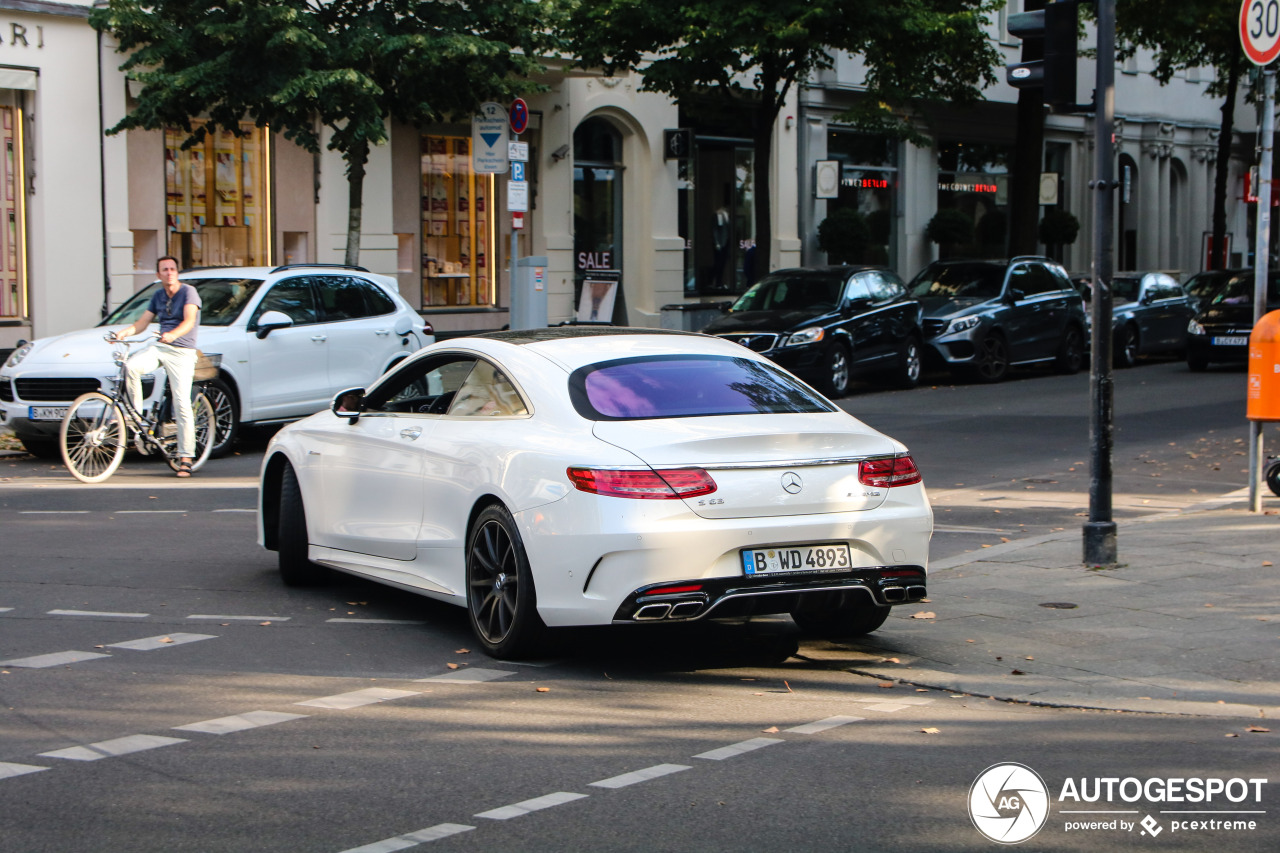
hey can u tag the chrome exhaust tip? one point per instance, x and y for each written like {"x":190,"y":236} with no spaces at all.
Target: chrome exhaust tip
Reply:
{"x":915,"y":593}
{"x":652,"y":612}
{"x":894,"y":593}
{"x":685,"y":609}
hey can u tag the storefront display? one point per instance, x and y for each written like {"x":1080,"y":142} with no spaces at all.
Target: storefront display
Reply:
{"x":12,"y":230}
{"x":216,"y":198}
{"x":457,"y":228}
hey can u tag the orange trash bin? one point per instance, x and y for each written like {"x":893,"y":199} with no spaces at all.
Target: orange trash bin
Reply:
{"x":1264,"y":369}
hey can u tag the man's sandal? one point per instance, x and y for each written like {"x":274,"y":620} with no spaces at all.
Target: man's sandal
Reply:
{"x":184,"y":469}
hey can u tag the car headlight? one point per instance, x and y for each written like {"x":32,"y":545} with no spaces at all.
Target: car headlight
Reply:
{"x":19,"y":354}
{"x":1194,"y":328}
{"x":963,"y":324}
{"x":805,"y":336}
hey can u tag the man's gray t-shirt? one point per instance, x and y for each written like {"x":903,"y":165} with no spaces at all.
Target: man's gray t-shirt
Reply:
{"x":169,"y":310}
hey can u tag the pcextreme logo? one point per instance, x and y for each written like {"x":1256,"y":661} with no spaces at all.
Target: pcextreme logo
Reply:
{"x":1009,"y":803}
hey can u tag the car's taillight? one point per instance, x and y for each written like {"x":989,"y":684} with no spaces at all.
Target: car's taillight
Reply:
{"x":650,"y":484}
{"x":887,"y":473}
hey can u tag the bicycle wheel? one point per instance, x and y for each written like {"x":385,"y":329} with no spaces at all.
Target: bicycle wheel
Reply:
{"x":92,"y":437}
{"x":206,"y":426}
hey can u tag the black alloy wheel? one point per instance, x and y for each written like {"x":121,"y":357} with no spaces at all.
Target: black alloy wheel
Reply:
{"x":991,"y":364}
{"x":1197,"y":362}
{"x":1070,"y":355}
{"x":226,"y":415}
{"x":501,"y":600}
{"x":1126,"y":354}
{"x":296,"y":568}
{"x":910,"y":364}
{"x":844,"y":613}
{"x":836,"y":371}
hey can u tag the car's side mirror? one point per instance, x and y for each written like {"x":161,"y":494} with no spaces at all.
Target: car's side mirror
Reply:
{"x":349,"y":404}
{"x":1147,"y":298}
{"x":272,"y":320}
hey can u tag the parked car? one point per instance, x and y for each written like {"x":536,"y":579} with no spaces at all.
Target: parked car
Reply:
{"x":597,"y":476}
{"x":827,"y":325}
{"x":1149,"y":314}
{"x":1204,"y":284}
{"x":1220,"y":331}
{"x":289,"y":337}
{"x":983,"y":317}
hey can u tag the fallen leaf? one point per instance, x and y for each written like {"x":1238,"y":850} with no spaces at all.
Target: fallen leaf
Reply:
{"x":1257,"y":729}
{"x":99,"y":647}
{"x":1231,"y":734}
{"x":788,"y":686}
{"x":927,"y":614}
{"x":166,"y":639}
{"x":1266,"y":562}
{"x":268,"y":623}
{"x":770,"y":730}
{"x":543,"y":689}
{"x":970,"y":641}
{"x":1208,"y":605}
{"x":1004,"y":539}
{"x":452,"y":665}
{"x":931,"y":731}
{"x":885,"y":684}
{"x":746,"y":679}
{"x":351,"y":604}
{"x":890,"y":660}
{"x":1028,"y":657}
{"x":462,"y":651}
{"x":998,"y":657}
{"x":1017,"y":672}
{"x":986,"y":546}
{"x":922,"y":689}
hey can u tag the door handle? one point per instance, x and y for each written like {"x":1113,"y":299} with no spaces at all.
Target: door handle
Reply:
{"x":411,"y":433}
{"x":383,"y":332}
{"x":319,"y":338}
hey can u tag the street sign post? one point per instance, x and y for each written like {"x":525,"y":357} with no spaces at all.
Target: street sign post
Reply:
{"x":519,"y":116}
{"x":489,"y":140}
{"x":1260,"y":38}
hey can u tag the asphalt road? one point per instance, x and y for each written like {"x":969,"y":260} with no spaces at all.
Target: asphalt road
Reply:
{"x":166,"y":692}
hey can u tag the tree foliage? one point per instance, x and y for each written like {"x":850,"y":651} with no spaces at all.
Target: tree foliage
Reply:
{"x":754,"y":52}
{"x":302,"y":65}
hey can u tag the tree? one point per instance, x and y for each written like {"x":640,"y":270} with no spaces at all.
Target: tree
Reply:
{"x":1189,"y":34}
{"x":844,"y":236}
{"x":752,"y":53}
{"x":950,"y":229}
{"x":299,"y":65}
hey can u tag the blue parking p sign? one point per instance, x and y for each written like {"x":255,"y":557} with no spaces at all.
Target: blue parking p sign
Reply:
{"x":517,"y":170}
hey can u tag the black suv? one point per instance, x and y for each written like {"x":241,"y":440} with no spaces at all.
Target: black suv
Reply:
{"x":827,"y":324}
{"x":1220,"y":331}
{"x":982,"y":317}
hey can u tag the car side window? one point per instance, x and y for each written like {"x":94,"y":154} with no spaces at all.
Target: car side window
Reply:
{"x":487,"y":392}
{"x":423,"y":387}
{"x":883,"y":286}
{"x":343,"y":298}
{"x":293,"y":297}
{"x":857,"y":290}
{"x":378,"y":302}
{"x":1033,"y":280}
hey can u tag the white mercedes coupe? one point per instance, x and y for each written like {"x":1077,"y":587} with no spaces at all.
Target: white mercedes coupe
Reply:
{"x":600,"y":475}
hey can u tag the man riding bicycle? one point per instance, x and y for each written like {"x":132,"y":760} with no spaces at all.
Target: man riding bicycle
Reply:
{"x":177,"y":306}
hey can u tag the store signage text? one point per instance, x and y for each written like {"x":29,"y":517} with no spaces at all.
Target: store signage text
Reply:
{"x":20,"y":34}
{"x":866,"y":183}
{"x":595,"y":260}
{"x":968,"y":188}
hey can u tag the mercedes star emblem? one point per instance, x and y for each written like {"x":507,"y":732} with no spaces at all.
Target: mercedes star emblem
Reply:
{"x":792,"y":483}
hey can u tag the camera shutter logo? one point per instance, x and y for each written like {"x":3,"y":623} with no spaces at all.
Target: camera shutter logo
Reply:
{"x":1008,"y":803}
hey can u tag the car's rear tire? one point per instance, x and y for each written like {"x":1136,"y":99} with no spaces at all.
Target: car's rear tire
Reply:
{"x":1197,"y":362}
{"x":836,"y":371}
{"x":910,"y":364}
{"x":1070,"y":355}
{"x":501,"y":600}
{"x":848,"y":613}
{"x":226,"y":413}
{"x":296,"y":568}
{"x":991,"y":363}
{"x":1127,"y":346}
{"x":1273,"y":477}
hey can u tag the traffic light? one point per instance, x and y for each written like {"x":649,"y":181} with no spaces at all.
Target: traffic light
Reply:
{"x":1056,"y":27}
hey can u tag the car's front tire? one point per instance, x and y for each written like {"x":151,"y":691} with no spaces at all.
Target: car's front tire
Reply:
{"x":296,"y":568}
{"x":1197,"y":362}
{"x":501,"y":600}
{"x":910,"y":364}
{"x":991,"y":363}
{"x":836,"y":371}
{"x":1070,"y":355}
{"x":42,"y":449}
{"x":849,"y":613}
{"x":1127,"y":345}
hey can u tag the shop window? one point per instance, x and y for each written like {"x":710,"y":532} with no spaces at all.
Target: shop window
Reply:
{"x":597,"y":218}
{"x":868,"y":188}
{"x":458,"y":230}
{"x":217,"y":210}
{"x":973,"y":178}
{"x":12,"y":224}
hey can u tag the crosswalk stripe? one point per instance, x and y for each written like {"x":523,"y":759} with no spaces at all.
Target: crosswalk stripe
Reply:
{"x":115,"y":746}
{"x":536,"y":804}
{"x":146,"y":644}
{"x":357,"y":698}
{"x":54,"y":659}
{"x":738,"y":748}
{"x":823,"y":725}
{"x":654,"y":772}
{"x":240,"y":722}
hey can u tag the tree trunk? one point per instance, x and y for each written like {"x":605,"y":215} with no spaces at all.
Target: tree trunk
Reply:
{"x":356,"y":159}
{"x":1218,"y":257}
{"x":761,"y":164}
{"x":1028,"y":153}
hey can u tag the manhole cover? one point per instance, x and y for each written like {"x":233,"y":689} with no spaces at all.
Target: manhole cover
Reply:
{"x":1059,"y":605}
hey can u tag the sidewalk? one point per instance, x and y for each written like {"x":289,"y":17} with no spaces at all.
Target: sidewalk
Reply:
{"x":1187,"y":623}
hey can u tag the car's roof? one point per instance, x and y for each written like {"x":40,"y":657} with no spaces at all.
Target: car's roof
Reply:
{"x":578,"y":346}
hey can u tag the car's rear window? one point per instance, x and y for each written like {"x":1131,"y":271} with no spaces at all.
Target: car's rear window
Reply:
{"x":222,"y":301}
{"x":687,"y":386}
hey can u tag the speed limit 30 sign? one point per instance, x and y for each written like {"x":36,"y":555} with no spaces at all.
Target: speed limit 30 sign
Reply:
{"x":1260,"y":30}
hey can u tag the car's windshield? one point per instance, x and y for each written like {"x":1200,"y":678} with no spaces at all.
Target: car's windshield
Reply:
{"x":687,"y":386}
{"x":1238,"y":290}
{"x":792,"y":293}
{"x":223,"y":299}
{"x":1125,"y":289}
{"x":973,"y":281}
{"x":1203,"y":284}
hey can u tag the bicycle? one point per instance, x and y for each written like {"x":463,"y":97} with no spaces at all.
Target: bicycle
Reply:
{"x":98,"y":427}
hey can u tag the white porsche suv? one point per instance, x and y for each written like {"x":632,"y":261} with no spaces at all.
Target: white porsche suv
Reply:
{"x":289,"y":337}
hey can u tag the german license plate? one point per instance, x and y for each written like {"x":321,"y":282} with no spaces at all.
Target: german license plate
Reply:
{"x":798,"y":558}
{"x":47,"y":413}
{"x":1231,"y":341}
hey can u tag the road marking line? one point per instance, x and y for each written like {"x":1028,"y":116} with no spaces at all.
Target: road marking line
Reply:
{"x":240,"y":722}
{"x":96,"y":613}
{"x":536,"y":804}
{"x":115,"y":746}
{"x":823,"y":725}
{"x":8,"y":770}
{"x":150,"y":511}
{"x":644,"y":775}
{"x":379,"y":621}
{"x":146,"y":644}
{"x":233,"y":510}
{"x":240,"y":618}
{"x":356,"y":698}
{"x":739,"y":748}
{"x":886,"y":707}
{"x":412,"y":839}
{"x":54,"y":659}
{"x":5,"y":609}
{"x":471,"y":675}
{"x":904,"y":700}
{"x":53,"y":512}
